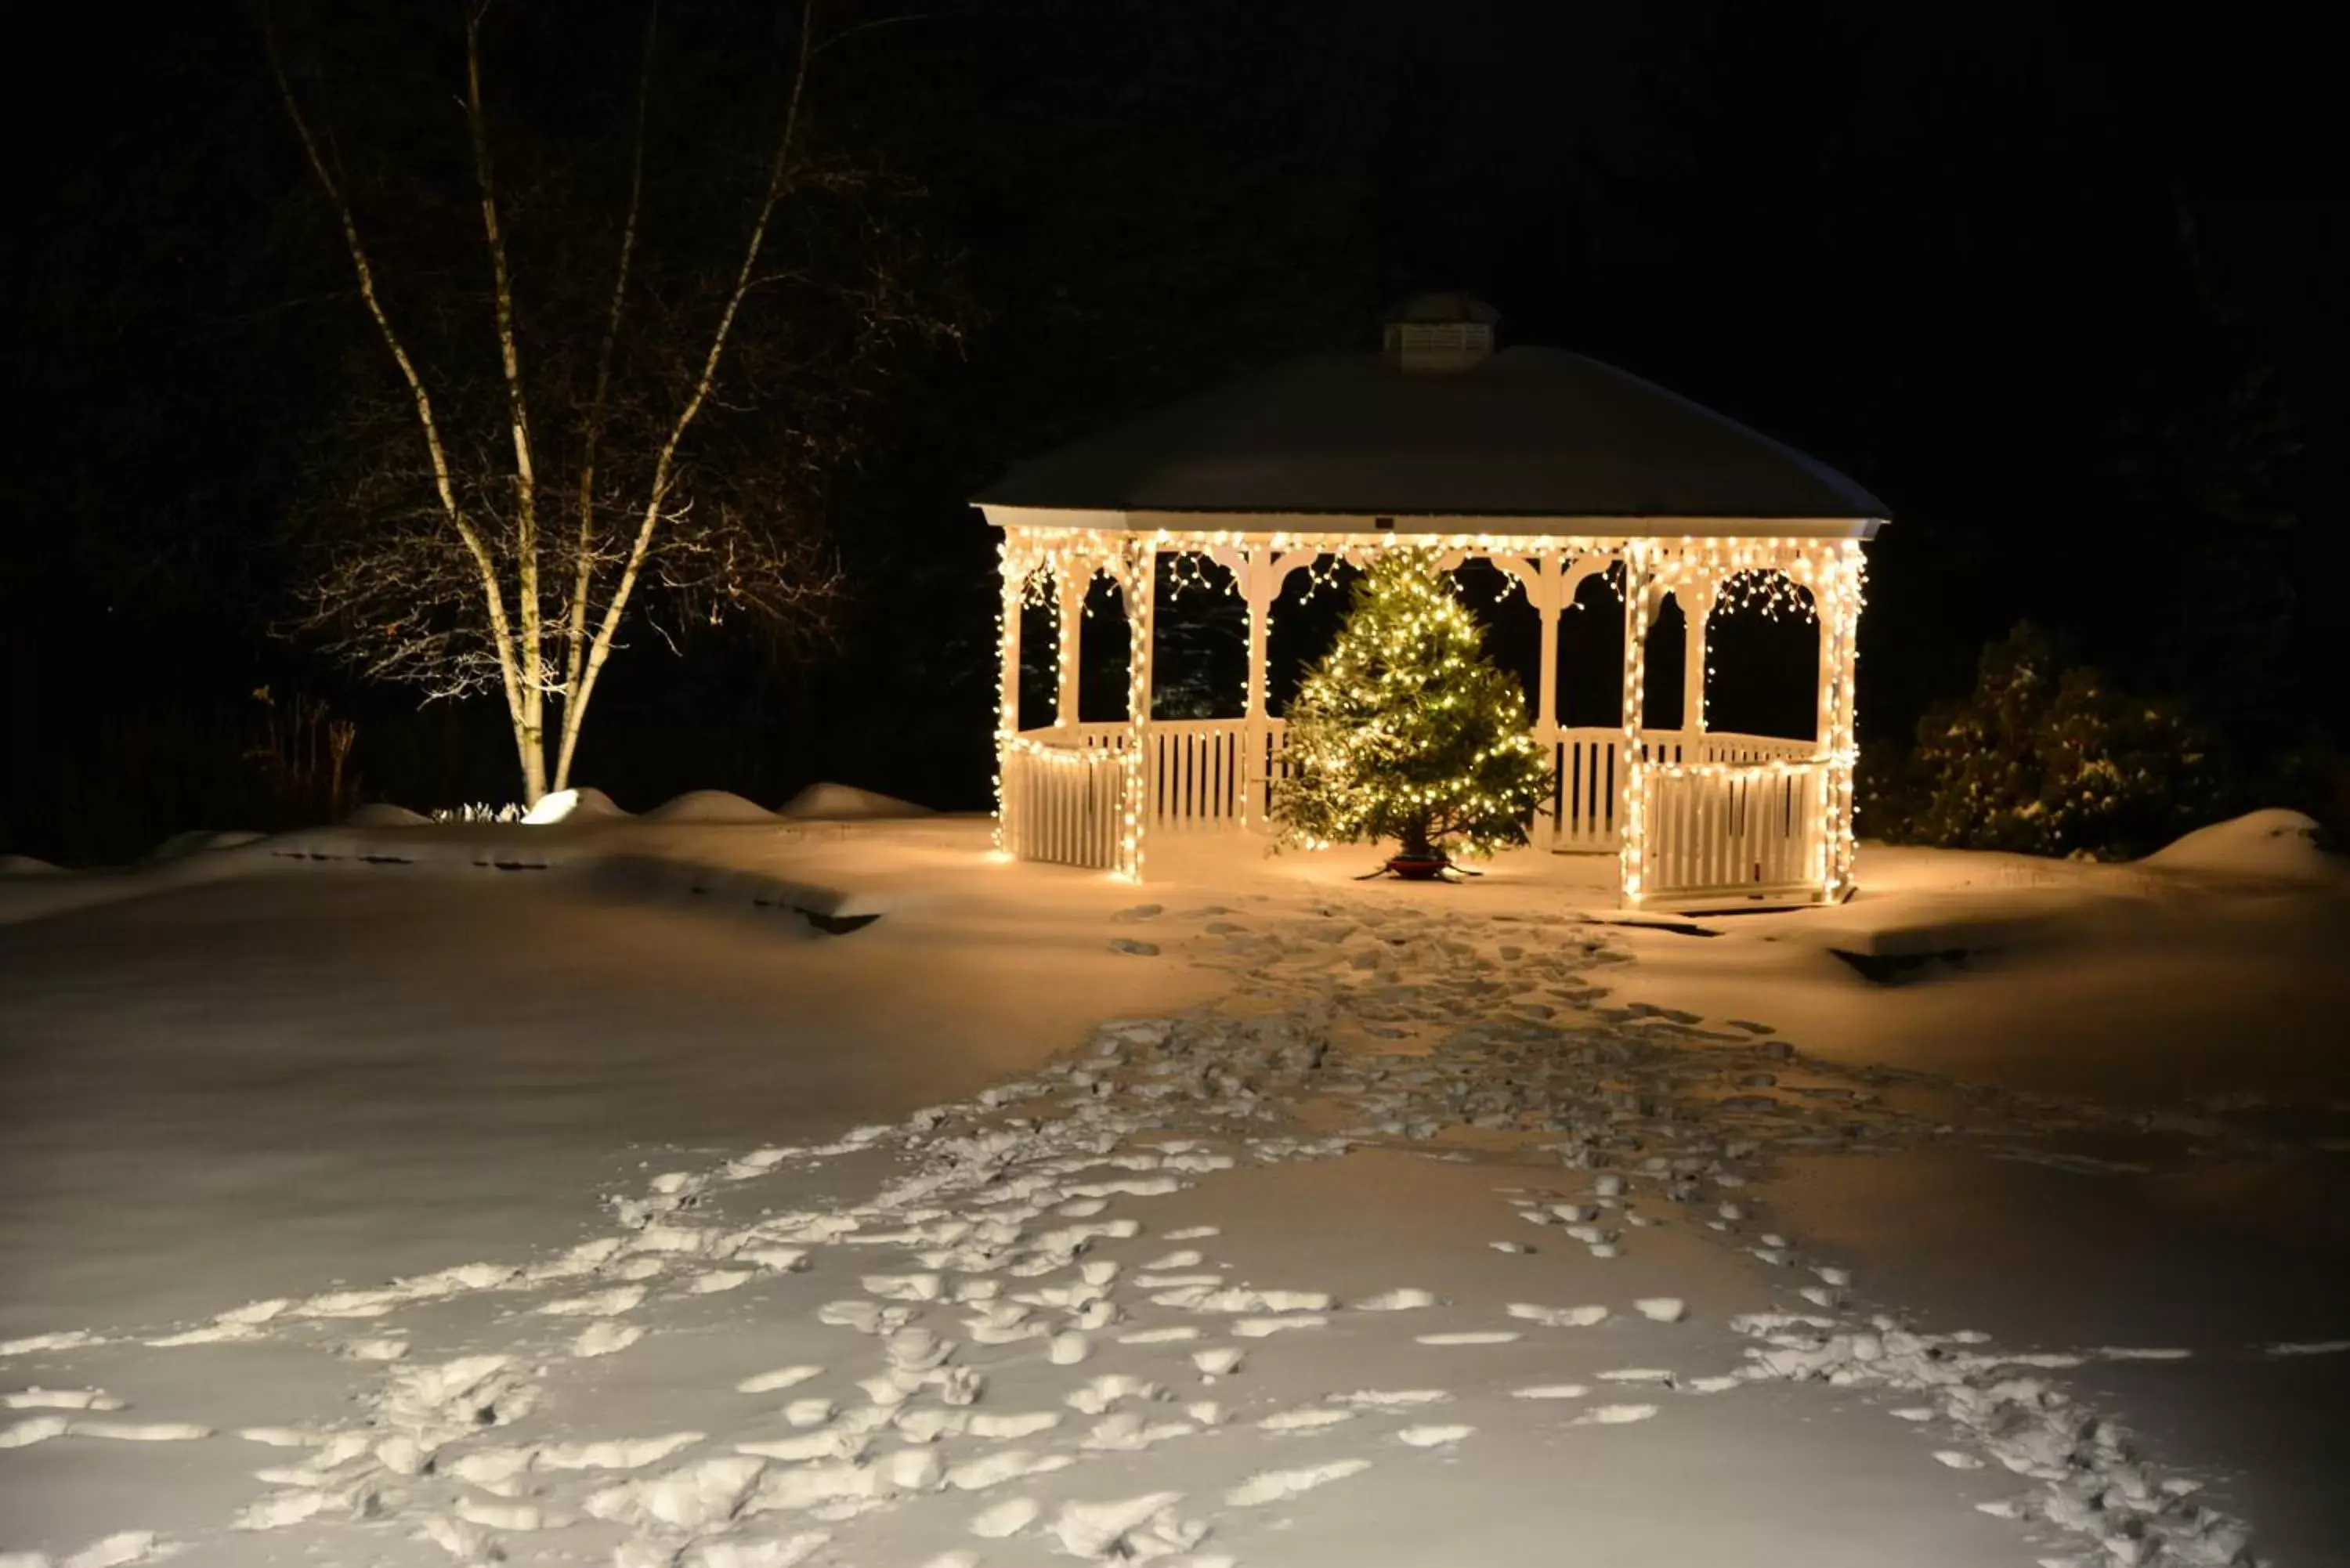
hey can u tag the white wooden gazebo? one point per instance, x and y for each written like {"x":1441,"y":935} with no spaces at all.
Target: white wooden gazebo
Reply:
{"x":1551,"y":466}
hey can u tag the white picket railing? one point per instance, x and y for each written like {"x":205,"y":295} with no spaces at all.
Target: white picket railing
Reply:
{"x":1586,"y":802}
{"x":1063,"y":803}
{"x":1194,"y":776}
{"x":1588,"y":795}
{"x":1713,"y":746}
{"x":1740,"y":829}
{"x":1755,"y":827}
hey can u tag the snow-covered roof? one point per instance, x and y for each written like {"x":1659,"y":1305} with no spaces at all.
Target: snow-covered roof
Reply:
{"x":1538,"y":434}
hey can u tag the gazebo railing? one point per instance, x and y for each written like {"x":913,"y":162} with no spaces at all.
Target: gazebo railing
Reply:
{"x":1063,"y":803}
{"x":1586,"y":801}
{"x":1201,"y":773}
{"x":1205,"y":773}
{"x":1740,"y":829}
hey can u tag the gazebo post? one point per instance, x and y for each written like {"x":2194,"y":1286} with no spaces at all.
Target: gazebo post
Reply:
{"x":1696,"y":608}
{"x":1258,"y":584}
{"x":1014,"y":563}
{"x":1836,"y":603}
{"x":1640,"y":579}
{"x":1549,"y":575}
{"x":1068,"y":650}
{"x":1141,"y":587}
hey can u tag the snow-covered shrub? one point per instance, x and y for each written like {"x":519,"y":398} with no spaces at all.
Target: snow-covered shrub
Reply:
{"x":2049,"y":758}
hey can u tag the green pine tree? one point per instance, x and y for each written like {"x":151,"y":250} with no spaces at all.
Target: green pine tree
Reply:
{"x":1405,"y":730}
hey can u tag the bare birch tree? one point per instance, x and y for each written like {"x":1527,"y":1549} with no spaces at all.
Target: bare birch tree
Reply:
{"x":508,"y":541}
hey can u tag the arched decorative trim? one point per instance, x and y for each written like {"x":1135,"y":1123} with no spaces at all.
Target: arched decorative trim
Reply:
{"x":1683,"y":807}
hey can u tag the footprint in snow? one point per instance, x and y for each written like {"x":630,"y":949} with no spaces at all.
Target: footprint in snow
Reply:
{"x":279,"y":1437}
{"x":1218,"y":1363}
{"x":603,"y":1303}
{"x":718,"y":1279}
{"x":1010,"y":1464}
{"x":1471,"y":1336}
{"x":1390,"y":1398}
{"x":71,"y":1339}
{"x":780,"y":1379}
{"x":606,"y":1339}
{"x":60,"y":1399}
{"x":1279,"y":1486}
{"x":1099,"y":1393}
{"x":1403,"y":1300}
{"x":140,"y":1431}
{"x":1157,"y":1335}
{"x":1559,"y":1317}
{"x":1009,"y":1517}
{"x":1432,"y":1437}
{"x":917,"y":1287}
{"x":1126,"y":1431}
{"x":382,"y":1348}
{"x":518,"y":1517}
{"x":1308,"y":1419}
{"x":1614,"y":1415}
{"x":1102,"y":1530}
{"x":37,"y":1429}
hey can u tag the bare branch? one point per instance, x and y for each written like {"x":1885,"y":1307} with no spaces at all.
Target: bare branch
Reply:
{"x":665,"y":463}
{"x":583,"y":582}
{"x":493,"y":597}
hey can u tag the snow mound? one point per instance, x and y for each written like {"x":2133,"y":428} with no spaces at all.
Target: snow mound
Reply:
{"x":2273,"y":842}
{"x":196,"y":841}
{"x":582,"y":805}
{"x":716,"y":806}
{"x":25,"y":865}
{"x":383,"y":814}
{"x":840,"y":803}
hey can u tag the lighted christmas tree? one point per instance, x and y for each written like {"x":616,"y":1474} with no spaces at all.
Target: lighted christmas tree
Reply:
{"x":1406,"y":731}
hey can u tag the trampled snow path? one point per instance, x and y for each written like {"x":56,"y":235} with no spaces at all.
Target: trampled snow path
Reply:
{"x":1000,"y":1369}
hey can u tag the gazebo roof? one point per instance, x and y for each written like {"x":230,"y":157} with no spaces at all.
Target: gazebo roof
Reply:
{"x":1533,"y":433}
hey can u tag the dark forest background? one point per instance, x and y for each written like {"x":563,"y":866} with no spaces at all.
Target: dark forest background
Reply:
{"x":2056,"y":290}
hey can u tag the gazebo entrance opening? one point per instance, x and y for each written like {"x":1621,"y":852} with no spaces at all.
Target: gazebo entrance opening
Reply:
{"x":1693,"y":813}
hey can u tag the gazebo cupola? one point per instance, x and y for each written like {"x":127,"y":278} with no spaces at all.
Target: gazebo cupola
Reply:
{"x":1439,"y":334}
{"x":1556,"y":469}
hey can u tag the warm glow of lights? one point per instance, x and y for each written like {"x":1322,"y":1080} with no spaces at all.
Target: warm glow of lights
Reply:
{"x":1808,"y":578}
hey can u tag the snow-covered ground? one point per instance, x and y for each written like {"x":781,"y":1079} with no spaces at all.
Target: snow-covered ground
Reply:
{"x":417,"y":1195}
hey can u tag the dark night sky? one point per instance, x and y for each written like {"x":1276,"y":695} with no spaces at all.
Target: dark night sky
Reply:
{"x":1984,"y":289}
